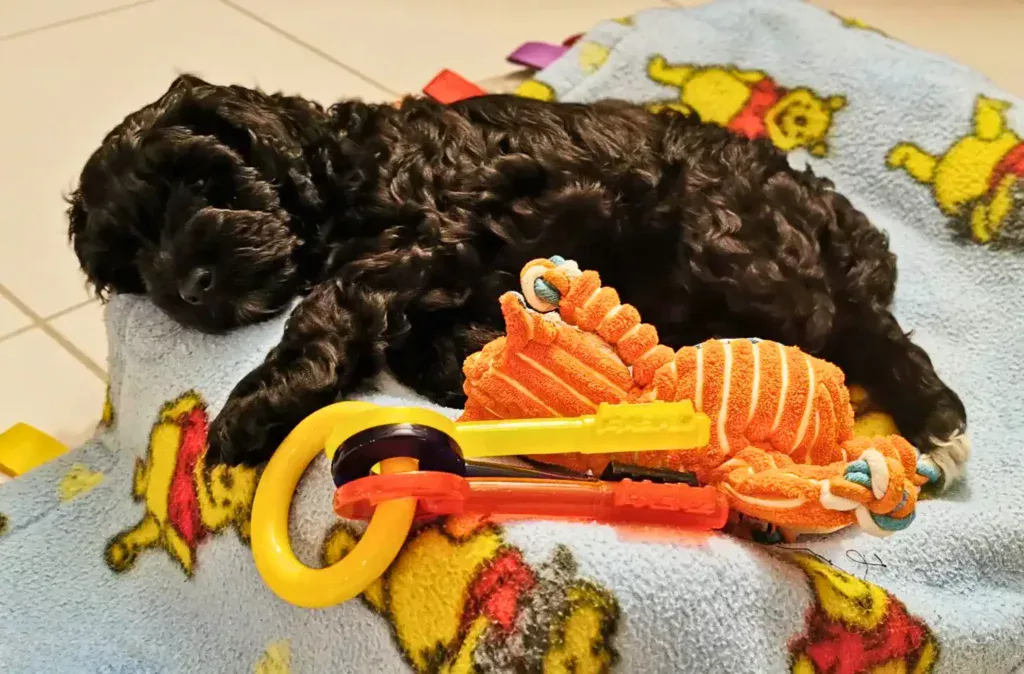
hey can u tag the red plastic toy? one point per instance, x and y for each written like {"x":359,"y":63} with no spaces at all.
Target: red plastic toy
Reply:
{"x":620,"y":503}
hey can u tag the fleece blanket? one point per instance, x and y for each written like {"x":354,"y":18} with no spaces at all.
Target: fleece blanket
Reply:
{"x":128,"y":555}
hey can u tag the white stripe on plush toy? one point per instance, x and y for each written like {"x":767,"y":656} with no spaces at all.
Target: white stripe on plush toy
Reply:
{"x":723,"y":411}
{"x":756,"y":347}
{"x":806,"y":418}
{"x":783,"y":391}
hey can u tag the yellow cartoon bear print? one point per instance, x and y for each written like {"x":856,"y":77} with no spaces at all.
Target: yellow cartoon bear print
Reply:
{"x":460,"y":599}
{"x":979,"y":180}
{"x":592,"y":56}
{"x":857,"y":24}
{"x":107,"y":416}
{"x":276,"y":659}
{"x":750,"y":103}
{"x":536,"y":89}
{"x":185,"y":500}
{"x":77,"y":481}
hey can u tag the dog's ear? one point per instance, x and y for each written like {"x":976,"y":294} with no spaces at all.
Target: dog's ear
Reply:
{"x":265,"y":131}
{"x":186,"y":82}
{"x":106,"y":253}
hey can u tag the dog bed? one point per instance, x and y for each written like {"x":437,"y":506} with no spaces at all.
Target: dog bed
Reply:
{"x":128,"y":554}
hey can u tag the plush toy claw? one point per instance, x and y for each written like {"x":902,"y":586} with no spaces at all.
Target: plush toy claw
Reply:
{"x":875,"y":490}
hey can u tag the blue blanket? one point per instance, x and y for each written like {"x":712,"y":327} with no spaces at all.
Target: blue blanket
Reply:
{"x":129,"y":554}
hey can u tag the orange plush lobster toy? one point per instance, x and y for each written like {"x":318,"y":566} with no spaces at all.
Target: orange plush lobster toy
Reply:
{"x":781,"y":447}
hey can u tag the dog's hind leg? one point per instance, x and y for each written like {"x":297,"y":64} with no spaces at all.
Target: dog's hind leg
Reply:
{"x":900,"y":377}
{"x":873,"y":350}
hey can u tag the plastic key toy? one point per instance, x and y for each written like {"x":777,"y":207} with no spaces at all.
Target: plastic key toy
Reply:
{"x":625,"y":502}
{"x":440,"y":444}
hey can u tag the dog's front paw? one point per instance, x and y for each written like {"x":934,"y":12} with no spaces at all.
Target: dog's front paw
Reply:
{"x":241,"y":435}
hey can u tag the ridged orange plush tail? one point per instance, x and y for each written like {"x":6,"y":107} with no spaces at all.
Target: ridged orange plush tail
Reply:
{"x":593,"y":308}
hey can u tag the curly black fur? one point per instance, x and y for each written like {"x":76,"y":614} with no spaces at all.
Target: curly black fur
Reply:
{"x":402,"y":225}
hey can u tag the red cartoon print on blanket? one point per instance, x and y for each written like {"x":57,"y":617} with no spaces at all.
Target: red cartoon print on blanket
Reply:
{"x":750,"y":103}
{"x":857,"y":627}
{"x":460,"y":599}
{"x":184,"y":499}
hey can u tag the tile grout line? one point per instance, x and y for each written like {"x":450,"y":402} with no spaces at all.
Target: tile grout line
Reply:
{"x":305,"y":45}
{"x":67,"y":310}
{"x":43,"y":319}
{"x":73,"y":19}
{"x":14,"y":333}
{"x":43,"y":324}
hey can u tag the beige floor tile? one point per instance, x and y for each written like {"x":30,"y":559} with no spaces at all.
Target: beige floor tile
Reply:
{"x":983,"y":34}
{"x":11,"y":318}
{"x":84,"y":327}
{"x":18,"y":16}
{"x":403,"y":43}
{"x":70,"y":98}
{"x":43,"y":385}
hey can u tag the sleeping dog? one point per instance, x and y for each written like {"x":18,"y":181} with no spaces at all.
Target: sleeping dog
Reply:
{"x":399,"y":226}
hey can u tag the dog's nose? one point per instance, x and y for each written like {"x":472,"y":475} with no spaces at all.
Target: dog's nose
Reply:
{"x":194,"y":287}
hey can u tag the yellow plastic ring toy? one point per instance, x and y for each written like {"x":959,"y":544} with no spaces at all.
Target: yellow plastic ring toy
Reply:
{"x":282,"y":571}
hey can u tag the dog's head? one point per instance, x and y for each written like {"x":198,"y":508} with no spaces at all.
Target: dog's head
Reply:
{"x":202,"y":200}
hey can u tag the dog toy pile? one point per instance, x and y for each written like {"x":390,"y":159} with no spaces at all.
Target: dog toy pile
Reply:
{"x":431,"y":466}
{"x":781,"y":444}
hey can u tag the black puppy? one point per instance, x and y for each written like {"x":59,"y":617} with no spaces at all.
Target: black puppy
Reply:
{"x":403,"y":225}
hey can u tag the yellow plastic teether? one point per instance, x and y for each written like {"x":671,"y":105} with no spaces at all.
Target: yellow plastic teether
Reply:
{"x":289,"y":578}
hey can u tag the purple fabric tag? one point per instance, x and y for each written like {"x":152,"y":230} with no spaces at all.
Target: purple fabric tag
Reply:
{"x":537,"y":55}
